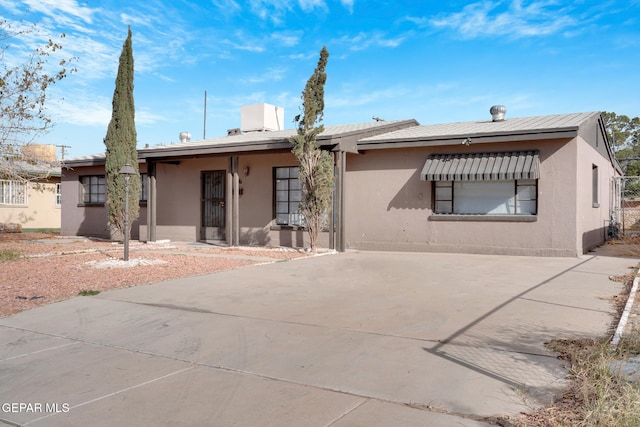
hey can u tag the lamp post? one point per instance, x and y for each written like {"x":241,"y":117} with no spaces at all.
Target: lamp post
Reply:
{"x":127,"y":170}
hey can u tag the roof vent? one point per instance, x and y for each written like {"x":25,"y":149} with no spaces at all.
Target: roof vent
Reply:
{"x":185,"y":137}
{"x":234,"y":131}
{"x":498,"y":112}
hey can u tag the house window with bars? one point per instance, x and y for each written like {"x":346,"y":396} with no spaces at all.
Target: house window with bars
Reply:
{"x":58,"y":195}
{"x":287,"y":196}
{"x":13,"y":193}
{"x":144,"y":180}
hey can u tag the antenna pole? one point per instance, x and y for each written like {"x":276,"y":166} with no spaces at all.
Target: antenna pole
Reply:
{"x":62,"y":147}
{"x":204,"y":132}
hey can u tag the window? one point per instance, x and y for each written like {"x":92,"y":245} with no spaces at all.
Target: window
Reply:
{"x":506,"y":197}
{"x":58,"y":195}
{"x":143,"y":188}
{"x":594,"y":187}
{"x":287,"y":196}
{"x":13,"y":193}
{"x":93,"y":189}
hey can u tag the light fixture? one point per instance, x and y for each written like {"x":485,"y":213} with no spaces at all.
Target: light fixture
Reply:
{"x":246,"y":170}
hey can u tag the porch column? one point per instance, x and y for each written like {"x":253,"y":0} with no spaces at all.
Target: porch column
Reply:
{"x":151,"y":202}
{"x":228,"y":214}
{"x":236,"y":202}
{"x":339,"y":196}
{"x":332,"y":213}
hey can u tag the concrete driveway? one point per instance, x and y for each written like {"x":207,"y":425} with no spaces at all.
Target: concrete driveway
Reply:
{"x":355,"y":339}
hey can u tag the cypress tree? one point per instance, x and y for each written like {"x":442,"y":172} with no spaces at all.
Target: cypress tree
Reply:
{"x":316,"y":165}
{"x":120,"y":142}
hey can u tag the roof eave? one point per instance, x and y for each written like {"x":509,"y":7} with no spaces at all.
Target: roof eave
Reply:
{"x":196,"y":150}
{"x":473,"y":139}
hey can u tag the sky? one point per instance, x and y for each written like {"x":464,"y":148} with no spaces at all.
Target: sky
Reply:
{"x":433,"y":61}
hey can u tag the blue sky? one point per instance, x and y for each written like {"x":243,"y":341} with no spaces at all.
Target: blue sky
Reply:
{"x":435,"y":61}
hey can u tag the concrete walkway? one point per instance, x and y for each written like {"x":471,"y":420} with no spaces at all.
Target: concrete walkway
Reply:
{"x":354,"y":339}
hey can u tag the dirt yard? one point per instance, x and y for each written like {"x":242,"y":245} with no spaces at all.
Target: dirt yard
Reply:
{"x":37,"y":269}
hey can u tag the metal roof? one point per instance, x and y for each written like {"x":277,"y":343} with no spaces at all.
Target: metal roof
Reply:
{"x":558,"y":124}
{"x":268,"y":140}
{"x":481,"y":166}
{"x":256,"y":141}
{"x":31,"y":169}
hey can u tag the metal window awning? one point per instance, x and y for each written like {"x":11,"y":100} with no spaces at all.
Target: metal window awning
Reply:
{"x":482,"y":166}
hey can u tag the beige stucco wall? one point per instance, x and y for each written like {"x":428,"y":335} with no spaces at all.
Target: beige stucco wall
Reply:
{"x":40,"y":212}
{"x":388,"y":206}
{"x":592,"y":221}
{"x":91,"y":221}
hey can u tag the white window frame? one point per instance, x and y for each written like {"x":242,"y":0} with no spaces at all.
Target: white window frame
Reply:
{"x":503,"y":197}
{"x":58,"y":195}
{"x":14,"y":193}
{"x":595,"y":200}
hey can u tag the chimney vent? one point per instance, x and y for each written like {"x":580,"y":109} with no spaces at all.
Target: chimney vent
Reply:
{"x":185,"y":137}
{"x":498,"y":112}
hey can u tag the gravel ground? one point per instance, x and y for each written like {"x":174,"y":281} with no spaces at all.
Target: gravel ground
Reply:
{"x":52,"y":268}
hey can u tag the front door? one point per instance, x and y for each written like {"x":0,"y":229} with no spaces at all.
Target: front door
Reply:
{"x":212,"y":202}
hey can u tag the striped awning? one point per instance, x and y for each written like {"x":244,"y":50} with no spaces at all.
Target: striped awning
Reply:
{"x":481,"y":166}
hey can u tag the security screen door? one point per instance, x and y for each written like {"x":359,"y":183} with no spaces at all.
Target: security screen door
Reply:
{"x":212,"y":201}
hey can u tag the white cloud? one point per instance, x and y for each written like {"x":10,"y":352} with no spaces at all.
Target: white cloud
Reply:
{"x":363,"y":41}
{"x":144,"y":117}
{"x":250,"y":47}
{"x":82,"y":109}
{"x":348,"y":4}
{"x":95,"y":58}
{"x":286,"y":39}
{"x":10,"y":6}
{"x":491,"y":18}
{"x":272,"y":10}
{"x":66,"y":7}
{"x":420,"y":21}
{"x":310,"y":5}
{"x":271,"y":74}
{"x":350,"y":98}
{"x":227,"y":7}
{"x":303,"y":56}
{"x":246,"y":43}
